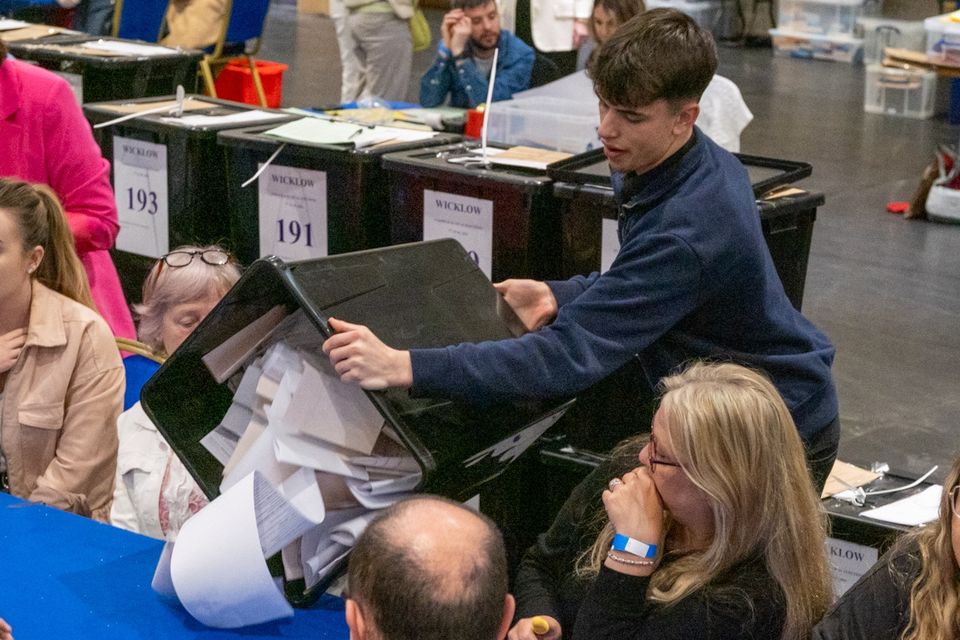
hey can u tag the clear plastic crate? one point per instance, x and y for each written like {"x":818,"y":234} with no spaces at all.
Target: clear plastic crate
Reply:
{"x":909,"y":93}
{"x":706,"y":13}
{"x":550,"y":123}
{"x":811,"y":46}
{"x":823,"y":17}
{"x":943,"y":37}
{"x":879,"y":33}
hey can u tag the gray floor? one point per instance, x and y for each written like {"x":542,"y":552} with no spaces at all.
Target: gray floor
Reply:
{"x":886,"y":290}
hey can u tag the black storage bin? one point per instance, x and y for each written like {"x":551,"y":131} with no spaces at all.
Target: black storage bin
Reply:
{"x":525,"y":225}
{"x":195,"y":186}
{"x":98,"y":78}
{"x":427,"y":294}
{"x":356,"y":189}
{"x":588,"y":205}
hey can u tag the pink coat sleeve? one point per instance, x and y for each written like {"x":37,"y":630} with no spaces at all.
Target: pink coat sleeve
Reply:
{"x":78,"y":172}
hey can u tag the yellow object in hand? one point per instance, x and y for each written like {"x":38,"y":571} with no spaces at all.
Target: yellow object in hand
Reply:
{"x":540,"y":626}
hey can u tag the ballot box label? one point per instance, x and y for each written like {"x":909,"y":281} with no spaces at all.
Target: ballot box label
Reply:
{"x":75,"y":80}
{"x":467,"y":220}
{"x":609,"y":244}
{"x":140,"y":189}
{"x":848,"y":561}
{"x":293,"y":213}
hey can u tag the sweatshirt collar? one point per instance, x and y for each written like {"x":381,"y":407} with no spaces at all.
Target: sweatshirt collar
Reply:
{"x":640,"y":192}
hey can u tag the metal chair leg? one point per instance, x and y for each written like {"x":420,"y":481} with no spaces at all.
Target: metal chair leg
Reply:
{"x":208,"y":78}
{"x":261,"y":96}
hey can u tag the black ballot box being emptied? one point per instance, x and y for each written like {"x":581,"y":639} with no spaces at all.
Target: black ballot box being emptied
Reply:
{"x":428,"y":294}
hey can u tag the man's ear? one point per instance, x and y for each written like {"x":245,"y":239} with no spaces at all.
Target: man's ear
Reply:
{"x":509,"y":608}
{"x":686,"y":117}
{"x":354,"y":616}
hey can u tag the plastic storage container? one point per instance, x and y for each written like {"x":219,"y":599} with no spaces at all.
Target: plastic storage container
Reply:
{"x":589,"y":216}
{"x":822,"y":17}
{"x":320,"y":199}
{"x":711,"y":14}
{"x":943,"y":37}
{"x":879,"y":33}
{"x":551,"y":123}
{"x":132,"y":69}
{"x":505,"y":217}
{"x":235,"y":82}
{"x":169,"y":177}
{"x":900,"y":92}
{"x":423,"y":295}
{"x":838,"y":48}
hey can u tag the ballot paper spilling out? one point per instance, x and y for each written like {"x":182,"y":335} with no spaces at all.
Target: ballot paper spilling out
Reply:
{"x":322,"y":131}
{"x":307,"y":463}
{"x":913,"y":511}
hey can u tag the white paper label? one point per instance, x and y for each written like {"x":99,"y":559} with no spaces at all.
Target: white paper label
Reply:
{"x":467,"y":220}
{"x":75,"y":80}
{"x":140,"y":189}
{"x":293,"y":213}
{"x":848,"y":561}
{"x":609,"y":244}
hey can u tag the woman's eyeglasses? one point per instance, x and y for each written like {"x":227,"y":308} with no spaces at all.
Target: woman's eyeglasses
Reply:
{"x":653,"y":460}
{"x":213,"y":257}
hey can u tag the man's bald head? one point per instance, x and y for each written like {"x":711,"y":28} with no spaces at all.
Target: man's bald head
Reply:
{"x":428,"y":568}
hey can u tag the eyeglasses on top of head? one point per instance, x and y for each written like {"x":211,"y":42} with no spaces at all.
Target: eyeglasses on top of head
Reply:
{"x":214,"y":257}
{"x":653,"y":460}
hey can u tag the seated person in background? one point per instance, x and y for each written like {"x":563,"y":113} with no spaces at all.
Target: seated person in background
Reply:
{"x":44,"y":138}
{"x":470,"y":33}
{"x":431,"y":569}
{"x":913,"y":592}
{"x":718,"y":533}
{"x":154,"y":494}
{"x":61,"y":379}
{"x":193,"y":24}
{"x":607,"y":15}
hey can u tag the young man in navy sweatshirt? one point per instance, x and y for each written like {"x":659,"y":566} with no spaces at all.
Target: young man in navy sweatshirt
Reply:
{"x":693,"y":277}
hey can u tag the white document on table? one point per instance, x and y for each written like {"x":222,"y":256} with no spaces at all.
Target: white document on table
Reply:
{"x":918,"y":509}
{"x":241,"y":117}
{"x":218,"y":567}
{"x":125,"y":48}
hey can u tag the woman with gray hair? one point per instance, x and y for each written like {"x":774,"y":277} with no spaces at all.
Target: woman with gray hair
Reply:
{"x":154,"y":494}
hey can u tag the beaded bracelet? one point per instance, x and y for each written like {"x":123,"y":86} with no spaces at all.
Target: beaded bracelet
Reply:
{"x":639,"y":563}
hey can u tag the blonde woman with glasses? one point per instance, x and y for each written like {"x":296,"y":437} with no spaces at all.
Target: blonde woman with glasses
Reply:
{"x":913,"y":592}
{"x":154,"y":494}
{"x":716,"y":533}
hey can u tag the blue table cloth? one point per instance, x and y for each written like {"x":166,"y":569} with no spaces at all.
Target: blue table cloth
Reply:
{"x":63,"y":576}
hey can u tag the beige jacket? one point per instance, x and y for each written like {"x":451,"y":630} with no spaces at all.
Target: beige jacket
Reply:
{"x":194,"y":24}
{"x":60,"y":408}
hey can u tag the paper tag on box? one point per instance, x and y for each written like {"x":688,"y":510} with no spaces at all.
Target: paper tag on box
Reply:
{"x":140,"y":190}
{"x":293,"y":212}
{"x":467,"y":220}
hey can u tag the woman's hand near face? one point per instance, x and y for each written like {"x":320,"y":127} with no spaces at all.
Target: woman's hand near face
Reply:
{"x":635,"y":510}
{"x":523,"y":630}
{"x":11,"y":344}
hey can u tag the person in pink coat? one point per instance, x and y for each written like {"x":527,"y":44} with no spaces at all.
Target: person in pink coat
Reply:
{"x":45,"y":138}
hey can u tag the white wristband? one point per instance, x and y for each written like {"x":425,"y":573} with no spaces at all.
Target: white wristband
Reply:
{"x":637,"y":548}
